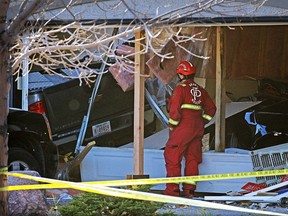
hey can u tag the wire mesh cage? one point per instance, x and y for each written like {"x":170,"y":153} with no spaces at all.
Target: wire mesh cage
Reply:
{"x":271,"y":158}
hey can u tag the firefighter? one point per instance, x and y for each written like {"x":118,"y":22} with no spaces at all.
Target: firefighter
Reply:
{"x":190,"y":108}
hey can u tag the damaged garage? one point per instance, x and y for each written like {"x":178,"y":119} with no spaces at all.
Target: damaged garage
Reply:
{"x":243,"y":67}
{"x":241,"y":61}
{"x":249,"y":71}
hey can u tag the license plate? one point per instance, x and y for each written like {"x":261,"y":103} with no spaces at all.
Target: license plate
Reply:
{"x":101,"y":129}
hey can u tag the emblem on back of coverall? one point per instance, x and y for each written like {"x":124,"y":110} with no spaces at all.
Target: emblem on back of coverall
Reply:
{"x":196,"y":93}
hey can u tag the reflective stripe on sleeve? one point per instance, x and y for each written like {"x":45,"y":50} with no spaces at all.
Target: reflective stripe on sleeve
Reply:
{"x":191,"y":106}
{"x":208,"y":117}
{"x":173,"y":122}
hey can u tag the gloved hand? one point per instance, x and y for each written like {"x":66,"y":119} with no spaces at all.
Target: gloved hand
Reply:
{"x":171,"y":128}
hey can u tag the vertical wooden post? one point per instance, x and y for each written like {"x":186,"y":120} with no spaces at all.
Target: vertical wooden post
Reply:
{"x":220,"y":90}
{"x":139,"y":104}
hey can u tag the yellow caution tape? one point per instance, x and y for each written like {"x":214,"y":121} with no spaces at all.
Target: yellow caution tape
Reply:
{"x":190,"y":179}
{"x":4,"y":170}
{"x":131,"y":194}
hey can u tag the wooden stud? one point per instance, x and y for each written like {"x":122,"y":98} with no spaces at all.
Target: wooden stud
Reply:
{"x":139,"y":104}
{"x":220,"y":90}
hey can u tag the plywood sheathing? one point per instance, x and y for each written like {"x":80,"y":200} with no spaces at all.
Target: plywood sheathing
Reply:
{"x":199,"y":51}
{"x":256,"y":51}
{"x":165,"y":69}
{"x":247,"y":51}
{"x":124,"y":78}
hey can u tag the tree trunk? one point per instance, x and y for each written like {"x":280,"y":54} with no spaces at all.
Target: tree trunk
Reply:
{"x":4,"y":91}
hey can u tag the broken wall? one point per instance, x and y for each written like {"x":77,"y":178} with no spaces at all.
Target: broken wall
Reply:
{"x":247,"y":53}
{"x":179,"y":48}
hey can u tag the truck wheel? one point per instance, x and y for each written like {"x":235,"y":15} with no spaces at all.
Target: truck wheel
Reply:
{"x":20,"y":160}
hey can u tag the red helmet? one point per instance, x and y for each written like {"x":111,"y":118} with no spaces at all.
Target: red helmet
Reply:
{"x":186,"y":68}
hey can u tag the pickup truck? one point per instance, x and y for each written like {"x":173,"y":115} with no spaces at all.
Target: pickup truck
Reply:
{"x":65,"y":102}
{"x":30,"y":143}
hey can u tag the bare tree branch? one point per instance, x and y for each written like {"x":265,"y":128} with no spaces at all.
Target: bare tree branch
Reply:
{"x":26,"y":10}
{"x":65,"y":46}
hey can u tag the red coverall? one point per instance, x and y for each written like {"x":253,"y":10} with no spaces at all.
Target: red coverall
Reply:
{"x":190,"y":108}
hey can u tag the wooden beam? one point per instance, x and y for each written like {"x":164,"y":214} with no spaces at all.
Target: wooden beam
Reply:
{"x":139,"y":104}
{"x":220,"y":91}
